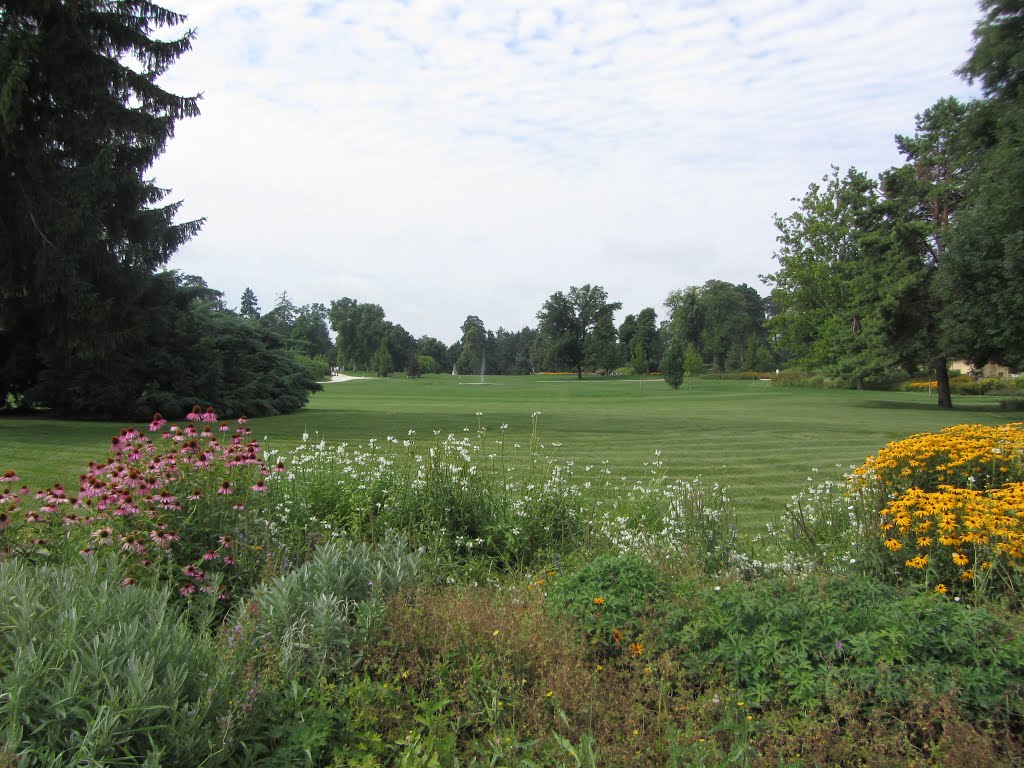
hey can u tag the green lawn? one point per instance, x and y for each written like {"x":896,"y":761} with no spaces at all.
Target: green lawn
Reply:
{"x":759,"y":440}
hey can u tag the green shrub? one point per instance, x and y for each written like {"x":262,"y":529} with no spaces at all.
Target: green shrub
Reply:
{"x":97,"y":673}
{"x":610,"y":598}
{"x":322,"y":614}
{"x":813,"y":641}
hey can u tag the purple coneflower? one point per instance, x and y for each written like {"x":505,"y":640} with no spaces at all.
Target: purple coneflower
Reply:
{"x":9,"y":477}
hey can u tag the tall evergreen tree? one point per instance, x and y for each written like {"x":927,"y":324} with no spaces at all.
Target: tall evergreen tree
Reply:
{"x":250,"y":306}
{"x":82,"y":228}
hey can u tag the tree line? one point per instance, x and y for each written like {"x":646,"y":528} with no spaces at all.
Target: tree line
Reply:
{"x":717,"y":326}
{"x":924,"y":263}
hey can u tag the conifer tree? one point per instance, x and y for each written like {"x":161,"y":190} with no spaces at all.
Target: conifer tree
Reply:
{"x":82,"y":227}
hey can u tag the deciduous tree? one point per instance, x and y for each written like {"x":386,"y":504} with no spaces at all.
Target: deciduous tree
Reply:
{"x":567,"y":322}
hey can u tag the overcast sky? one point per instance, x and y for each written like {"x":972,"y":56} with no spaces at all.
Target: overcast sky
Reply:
{"x":447,"y":158}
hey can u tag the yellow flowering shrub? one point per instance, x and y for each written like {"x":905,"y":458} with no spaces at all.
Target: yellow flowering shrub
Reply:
{"x":965,"y":456}
{"x":952,"y":506}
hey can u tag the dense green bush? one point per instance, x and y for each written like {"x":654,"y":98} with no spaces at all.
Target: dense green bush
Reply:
{"x":609,"y":599}
{"x":814,"y":640}
{"x":96,"y":673}
{"x":320,"y":616}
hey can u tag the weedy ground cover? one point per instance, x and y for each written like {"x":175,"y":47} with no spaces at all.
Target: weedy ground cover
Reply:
{"x":481,"y":597}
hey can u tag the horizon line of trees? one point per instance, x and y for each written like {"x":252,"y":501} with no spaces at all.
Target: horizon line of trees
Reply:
{"x":896,"y":273}
{"x":719,"y":327}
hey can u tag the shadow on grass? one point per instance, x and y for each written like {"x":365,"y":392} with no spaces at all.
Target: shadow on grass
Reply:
{"x":958,"y":406}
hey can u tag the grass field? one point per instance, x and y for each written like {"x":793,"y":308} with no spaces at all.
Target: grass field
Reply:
{"x":760,"y":441}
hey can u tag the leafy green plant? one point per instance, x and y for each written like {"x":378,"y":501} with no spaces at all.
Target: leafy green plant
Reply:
{"x":807,"y":642}
{"x":609,"y":598}
{"x":94,"y":672}
{"x":320,"y":615}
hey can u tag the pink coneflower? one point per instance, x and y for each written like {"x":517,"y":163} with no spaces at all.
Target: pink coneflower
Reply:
{"x":86,"y":552}
{"x":225,"y":541}
{"x":128,"y":581}
{"x":157,"y":422}
{"x":193,"y":573}
{"x":23,"y":490}
{"x":58,"y":490}
{"x":9,"y":477}
{"x":225,"y":489}
{"x":70,"y":519}
{"x":187,"y":590}
{"x":5,"y":520}
{"x":260,"y":486}
{"x":196,"y":414}
{"x":133,"y":544}
{"x":279,"y":467}
{"x":223,"y":427}
{"x":229,"y":560}
{"x":243,"y":420}
{"x":166,"y":500}
{"x":210,"y":415}
{"x":207,"y":431}
{"x":196,"y":495}
{"x":238,"y":507}
{"x":32,"y":516}
{"x":202,"y":460}
{"x":211,"y":555}
{"x":103,"y":536}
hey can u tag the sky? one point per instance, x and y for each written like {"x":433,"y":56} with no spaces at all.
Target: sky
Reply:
{"x":445,"y":159}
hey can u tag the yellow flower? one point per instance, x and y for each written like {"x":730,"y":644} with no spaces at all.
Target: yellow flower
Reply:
{"x":960,"y":559}
{"x":941,"y":589}
{"x":636,"y":649}
{"x":966,"y":576}
{"x":924,"y":541}
{"x":918,"y":562}
{"x":598,"y":601}
{"x":893,"y":545}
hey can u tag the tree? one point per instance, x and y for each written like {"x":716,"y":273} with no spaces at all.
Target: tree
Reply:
{"x":920,"y":204}
{"x":360,"y":329}
{"x":673,"y":363}
{"x":82,"y":228}
{"x":644,"y":343}
{"x":282,"y":317}
{"x":474,"y":338}
{"x":250,"y":306}
{"x":428,"y":346}
{"x":381,"y":362}
{"x":826,"y":293}
{"x":568,"y":320}
{"x":980,"y":281}
{"x":415,"y":368}
{"x":693,"y":364}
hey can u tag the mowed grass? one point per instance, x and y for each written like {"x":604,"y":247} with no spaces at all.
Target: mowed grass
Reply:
{"x":761,"y":441}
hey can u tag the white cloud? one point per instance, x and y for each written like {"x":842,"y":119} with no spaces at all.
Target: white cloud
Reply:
{"x":445,"y":160}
